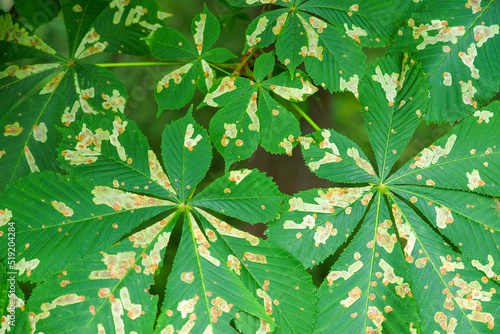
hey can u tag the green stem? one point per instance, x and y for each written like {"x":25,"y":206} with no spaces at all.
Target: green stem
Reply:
{"x":306,"y":117}
{"x":147,"y":63}
{"x":220,"y":69}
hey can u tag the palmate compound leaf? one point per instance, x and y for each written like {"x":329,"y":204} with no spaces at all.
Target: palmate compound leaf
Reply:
{"x":251,"y":116}
{"x":422,"y":273}
{"x":70,"y":246}
{"x":457,"y":43}
{"x":177,"y":88}
{"x":108,"y":290}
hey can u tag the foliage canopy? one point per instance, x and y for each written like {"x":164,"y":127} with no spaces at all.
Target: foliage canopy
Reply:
{"x":89,"y":211}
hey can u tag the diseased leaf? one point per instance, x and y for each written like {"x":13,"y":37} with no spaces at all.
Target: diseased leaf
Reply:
{"x":391,"y":120}
{"x":370,"y":281}
{"x":16,"y":43}
{"x":275,"y":278}
{"x":29,"y":138}
{"x":319,"y":221}
{"x":264,"y":30}
{"x":106,"y":291}
{"x":116,"y":26}
{"x":206,"y":30}
{"x":235,"y":128}
{"x":202,"y":291}
{"x":168,"y":44}
{"x":186,"y":147}
{"x":77,"y":219}
{"x":118,"y":154}
{"x":279,"y":127}
{"x":453,"y":295}
{"x":290,"y":40}
{"x":243,"y":194}
{"x":325,"y":49}
{"x":457,"y":43}
{"x":467,"y":158}
{"x":334,"y":157}
{"x":78,"y":18}
{"x":370,"y":23}
{"x":468,"y":220}
{"x":177,"y":88}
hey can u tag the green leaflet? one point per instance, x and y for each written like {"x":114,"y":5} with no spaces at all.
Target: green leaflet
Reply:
{"x":337,"y":158}
{"x":17,"y":43}
{"x":30,"y":137}
{"x":269,"y":273}
{"x":118,"y":27}
{"x":107,"y":290}
{"x":367,"y":288}
{"x":177,"y":88}
{"x":458,"y":45}
{"x":319,"y":221}
{"x":118,"y":153}
{"x":391,"y":120}
{"x":96,"y":216}
{"x":466,"y":158}
{"x":456,"y":214}
{"x":202,"y":290}
{"x":92,"y":279}
{"x":444,"y":299}
{"x":186,"y":147}
{"x":370,"y":23}
{"x":243,"y":194}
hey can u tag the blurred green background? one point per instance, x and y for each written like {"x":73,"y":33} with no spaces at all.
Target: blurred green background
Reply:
{"x":340,"y":111}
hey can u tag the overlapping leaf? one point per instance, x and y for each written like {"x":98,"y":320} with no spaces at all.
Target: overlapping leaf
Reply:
{"x":177,"y":88}
{"x":327,"y":41}
{"x":457,"y":43}
{"x":251,"y":116}
{"x":417,"y":268}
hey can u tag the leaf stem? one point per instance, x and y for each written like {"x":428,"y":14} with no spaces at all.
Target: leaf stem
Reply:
{"x":306,"y":117}
{"x":146,"y":63}
{"x":220,"y":69}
